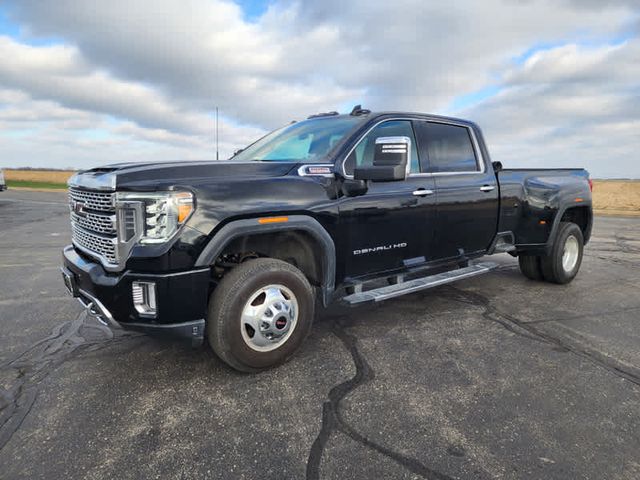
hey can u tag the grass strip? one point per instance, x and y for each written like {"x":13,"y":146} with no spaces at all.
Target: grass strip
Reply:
{"x":32,"y":184}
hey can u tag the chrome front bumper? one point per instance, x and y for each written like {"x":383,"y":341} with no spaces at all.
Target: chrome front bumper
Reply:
{"x":78,"y":283}
{"x":93,"y":306}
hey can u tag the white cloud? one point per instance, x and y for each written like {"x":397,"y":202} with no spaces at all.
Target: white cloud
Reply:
{"x":569,"y":106}
{"x":159,"y":67}
{"x":60,"y":73}
{"x":201,"y":53}
{"x":402,"y":54}
{"x":43,"y":133}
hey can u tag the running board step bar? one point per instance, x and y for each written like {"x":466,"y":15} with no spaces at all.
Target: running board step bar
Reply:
{"x":410,"y":286}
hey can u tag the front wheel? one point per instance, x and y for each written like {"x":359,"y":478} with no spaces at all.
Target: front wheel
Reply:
{"x":259,"y":314}
{"x":562,"y":264}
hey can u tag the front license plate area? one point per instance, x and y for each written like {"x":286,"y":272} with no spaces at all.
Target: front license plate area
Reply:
{"x":70,"y":282}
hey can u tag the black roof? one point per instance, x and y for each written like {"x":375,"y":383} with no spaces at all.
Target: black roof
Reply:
{"x":395,"y":113}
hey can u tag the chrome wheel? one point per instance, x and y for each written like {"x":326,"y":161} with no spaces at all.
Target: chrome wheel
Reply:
{"x":269,"y":318}
{"x":570,"y":253}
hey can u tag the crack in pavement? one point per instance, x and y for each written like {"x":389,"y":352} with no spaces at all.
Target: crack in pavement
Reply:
{"x":517,"y":326}
{"x":333,"y":421}
{"x":567,"y":318}
{"x":30,"y":368}
{"x":618,"y":245}
{"x":618,"y":261}
{"x":621,"y":241}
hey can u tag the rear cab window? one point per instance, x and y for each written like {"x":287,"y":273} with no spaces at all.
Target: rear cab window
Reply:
{"x":446,"y":148}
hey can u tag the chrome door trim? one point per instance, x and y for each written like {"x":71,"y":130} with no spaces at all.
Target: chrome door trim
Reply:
{"x":474,"y":142}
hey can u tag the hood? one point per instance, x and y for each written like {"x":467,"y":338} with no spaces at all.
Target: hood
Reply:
{"x":156,"y":176}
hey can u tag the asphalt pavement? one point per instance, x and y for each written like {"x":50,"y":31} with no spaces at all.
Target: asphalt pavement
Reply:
{"x":492,"y":377}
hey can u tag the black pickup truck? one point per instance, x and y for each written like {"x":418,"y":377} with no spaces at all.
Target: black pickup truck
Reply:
{"x":352,"y":208}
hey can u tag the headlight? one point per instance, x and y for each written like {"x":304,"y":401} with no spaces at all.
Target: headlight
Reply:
{"x":162,"y":213}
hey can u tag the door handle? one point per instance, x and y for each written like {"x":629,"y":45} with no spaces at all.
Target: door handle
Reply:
{"x":487,"y":188}
{"x":422,"y":192}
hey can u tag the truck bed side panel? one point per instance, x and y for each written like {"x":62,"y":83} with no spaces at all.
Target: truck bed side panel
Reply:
{"x":533,"y":202}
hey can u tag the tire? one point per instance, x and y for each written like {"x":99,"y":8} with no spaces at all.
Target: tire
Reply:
{"x":562,"y":264}
{"x":261,"y":338}
{"x":530,"y":267}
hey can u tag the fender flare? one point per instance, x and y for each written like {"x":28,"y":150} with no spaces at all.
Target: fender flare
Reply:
{"x":558,"y":217}
{"x":238,"y":228}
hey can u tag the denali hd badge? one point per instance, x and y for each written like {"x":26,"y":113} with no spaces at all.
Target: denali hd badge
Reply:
{"x":381,"y":248}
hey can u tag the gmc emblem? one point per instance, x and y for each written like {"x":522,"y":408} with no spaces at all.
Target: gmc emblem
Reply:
{"x":77,"y":207}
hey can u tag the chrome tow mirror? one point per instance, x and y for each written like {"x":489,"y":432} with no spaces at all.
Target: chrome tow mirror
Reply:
{"x":391,"y":161}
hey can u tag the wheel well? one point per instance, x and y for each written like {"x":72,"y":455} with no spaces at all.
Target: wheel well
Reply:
{"x":296,"y":247}
{"x":581,"y":216}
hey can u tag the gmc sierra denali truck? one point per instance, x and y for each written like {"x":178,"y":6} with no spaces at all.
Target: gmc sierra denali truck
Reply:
{"x":353,"y":208}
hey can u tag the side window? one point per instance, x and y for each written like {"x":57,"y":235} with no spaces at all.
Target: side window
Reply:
{"x":447,"y":148}
{"x":362,"y":155}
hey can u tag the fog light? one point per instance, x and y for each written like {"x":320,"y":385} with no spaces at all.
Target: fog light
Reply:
{"x":144,"y":298}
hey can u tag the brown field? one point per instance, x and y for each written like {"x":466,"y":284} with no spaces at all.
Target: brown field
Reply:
{"x":610,"y":197}
{"x":48,"y":176}
{"x":616,"y":197}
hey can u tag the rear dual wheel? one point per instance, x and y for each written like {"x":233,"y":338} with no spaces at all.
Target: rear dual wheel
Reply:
{"x":530,"y":267}
{"x":563,"y":262}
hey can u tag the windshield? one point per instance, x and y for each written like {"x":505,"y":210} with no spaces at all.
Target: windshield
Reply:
{"x":306,"y":141}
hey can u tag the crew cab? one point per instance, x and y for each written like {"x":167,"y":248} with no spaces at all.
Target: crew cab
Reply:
{"x":349,"y":208}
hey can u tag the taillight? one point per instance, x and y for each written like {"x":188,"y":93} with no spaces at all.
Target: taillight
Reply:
{"x":590,"y":185}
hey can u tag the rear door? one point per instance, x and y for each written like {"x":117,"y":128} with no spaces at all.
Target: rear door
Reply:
{"x":392,"y":225}
{"x":467,"y":190}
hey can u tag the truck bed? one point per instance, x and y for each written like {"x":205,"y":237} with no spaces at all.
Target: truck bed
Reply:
{"x":531,"y":200}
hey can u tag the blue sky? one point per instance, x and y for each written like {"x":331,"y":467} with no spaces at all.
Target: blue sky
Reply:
{"x":88,"y":82}
{"x":253,"y":9}
{"x":12,"y":29}
{"x":7,"y":27}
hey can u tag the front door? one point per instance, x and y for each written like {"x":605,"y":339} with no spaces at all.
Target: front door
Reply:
{"x":391,"y":226}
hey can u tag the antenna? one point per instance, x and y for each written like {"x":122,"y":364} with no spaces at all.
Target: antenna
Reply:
{"x":217,"y":151}
{"x":358,"y":110}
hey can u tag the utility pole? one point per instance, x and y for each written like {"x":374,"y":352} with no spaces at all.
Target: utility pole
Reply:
{"x":217,"y":151}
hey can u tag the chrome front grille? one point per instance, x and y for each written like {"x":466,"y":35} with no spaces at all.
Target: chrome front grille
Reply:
{"x":94,"y":224}
{"x":99,"y":201}
{"x":97,"y":244}
{"x":105,"y":224}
